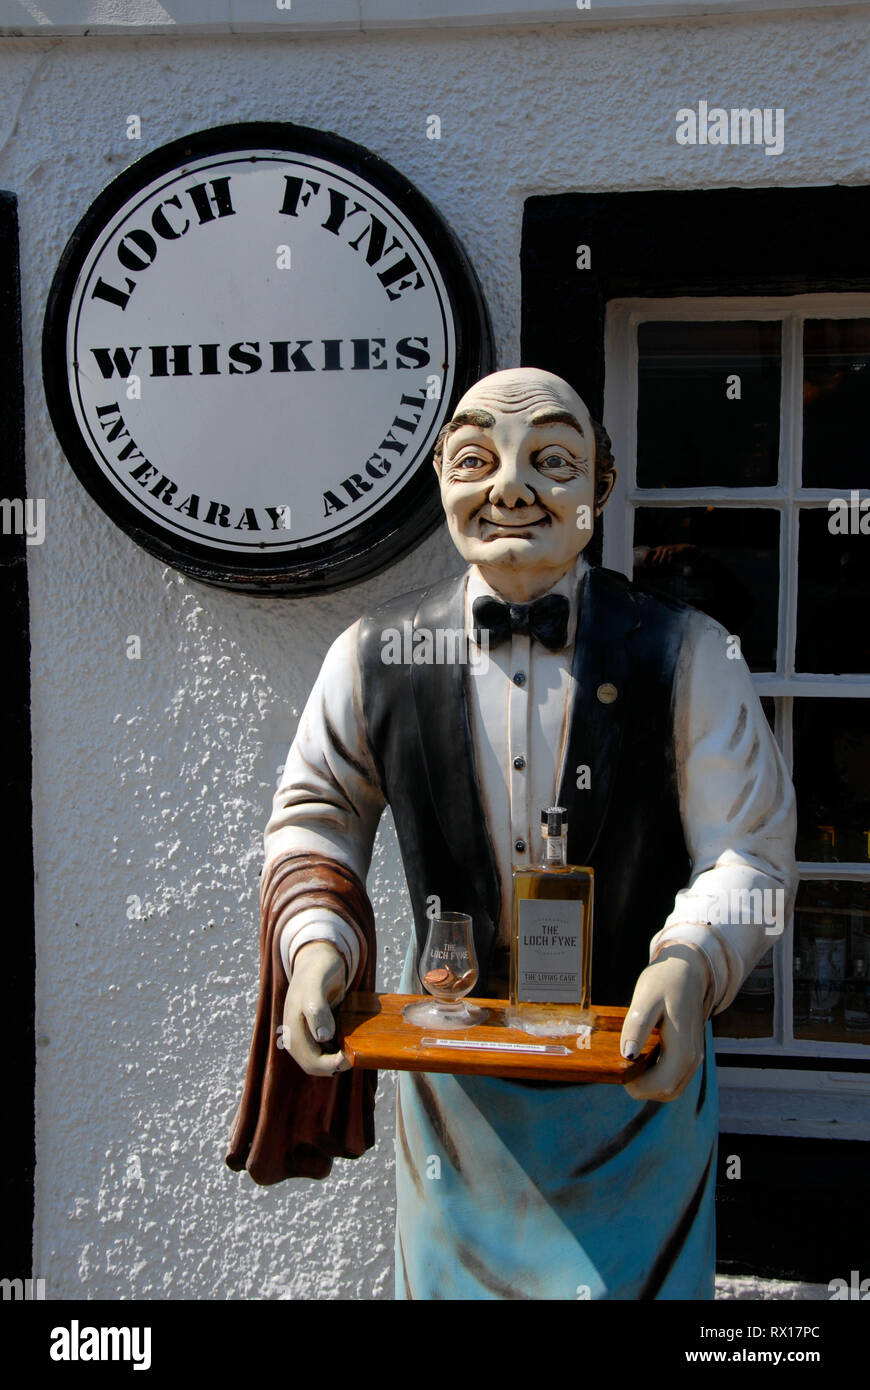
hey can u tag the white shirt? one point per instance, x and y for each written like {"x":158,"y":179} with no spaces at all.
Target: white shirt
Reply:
{"x":736,"y":799}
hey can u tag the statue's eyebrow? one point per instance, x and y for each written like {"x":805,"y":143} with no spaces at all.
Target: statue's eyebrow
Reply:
{"x":481,"y":418}
{"x":557,"y":417}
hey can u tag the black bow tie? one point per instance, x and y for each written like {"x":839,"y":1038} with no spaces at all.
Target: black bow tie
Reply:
{"x":546,"y":619}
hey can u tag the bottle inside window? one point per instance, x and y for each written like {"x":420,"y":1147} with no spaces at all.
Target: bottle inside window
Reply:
{"x":828,"y":961}
{"x":756,"y":993}
{"x":856,"y":1003}
{"x":800,"y":992}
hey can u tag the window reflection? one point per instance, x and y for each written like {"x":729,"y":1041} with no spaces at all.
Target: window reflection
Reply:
{"x":832,"y":779}
{"x":724,"y":561}
{"x":831,"y":993}
{"x":751,"y":1014}
{"x":708,"y":404}
{"x":836,"y":402}
{"x":833,"y":632}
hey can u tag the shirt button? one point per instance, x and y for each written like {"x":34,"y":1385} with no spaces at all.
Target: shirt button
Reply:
{"x":520,"y":846}
{"x":519,"y":678}
{"x":519,"y":762}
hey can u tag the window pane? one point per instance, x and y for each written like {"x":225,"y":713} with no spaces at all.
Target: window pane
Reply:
{"x":833,"y":631}
{"x":689,"y":433}
{"x":831,"y":962}
{"x":751,"y":1014}
{"x":836,"y":402}
{"x":832,"y":779}
{"x":722,"y":560}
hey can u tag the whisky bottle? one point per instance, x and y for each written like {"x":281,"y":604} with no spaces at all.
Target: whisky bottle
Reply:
{"x":551,"y":942}
{"x":856,"y":1004}
{"x":757,"y":991}
{"x":800,"y":994}
{"x":828,"y":964}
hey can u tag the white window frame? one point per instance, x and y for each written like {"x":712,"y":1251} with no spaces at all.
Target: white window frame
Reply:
{"x":787,"y":497}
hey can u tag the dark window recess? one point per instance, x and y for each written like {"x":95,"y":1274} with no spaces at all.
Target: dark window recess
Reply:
{"x":833,"y":630}
{"x":791,"y":1213}
{"x":836,"y":403}
{"x":832,"y":779}
{"x":708,"y":404}
{"x":722,"y":560}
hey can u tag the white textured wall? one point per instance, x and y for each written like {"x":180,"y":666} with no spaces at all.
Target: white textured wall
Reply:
{"x":154,"y":777}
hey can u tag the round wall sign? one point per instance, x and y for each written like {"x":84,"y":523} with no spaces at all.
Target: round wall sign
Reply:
{"x":252,"y":340}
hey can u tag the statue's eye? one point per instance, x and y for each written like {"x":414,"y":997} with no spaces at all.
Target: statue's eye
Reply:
{"x":553,"y":461}
{"x":470,"y":461}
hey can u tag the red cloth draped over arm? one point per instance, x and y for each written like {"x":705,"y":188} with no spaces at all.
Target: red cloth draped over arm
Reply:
{"x":289,"y":1124}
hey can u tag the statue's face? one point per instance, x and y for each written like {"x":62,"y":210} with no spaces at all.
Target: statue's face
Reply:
{"x":518,"y":474}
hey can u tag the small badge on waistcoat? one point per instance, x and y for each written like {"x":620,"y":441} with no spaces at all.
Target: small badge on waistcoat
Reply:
{"x":607,"y":693}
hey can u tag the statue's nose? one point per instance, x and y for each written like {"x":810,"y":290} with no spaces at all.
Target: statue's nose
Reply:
{"x":511,"y":483}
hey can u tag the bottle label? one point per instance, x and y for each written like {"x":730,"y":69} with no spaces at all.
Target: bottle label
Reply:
{"x":550,"y":951}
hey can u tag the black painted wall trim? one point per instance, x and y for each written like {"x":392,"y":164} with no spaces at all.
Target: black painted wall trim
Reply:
{"x":18,"y":966}
{"x":705,"y":242}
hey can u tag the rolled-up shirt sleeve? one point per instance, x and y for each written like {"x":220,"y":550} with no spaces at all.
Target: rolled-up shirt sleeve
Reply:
{"x":738,"y":811}
{"x":329,"y":800}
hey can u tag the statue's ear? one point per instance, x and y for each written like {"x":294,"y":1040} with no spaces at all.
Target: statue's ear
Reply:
{"x":604,"y":484}
{"x":605,"y":472}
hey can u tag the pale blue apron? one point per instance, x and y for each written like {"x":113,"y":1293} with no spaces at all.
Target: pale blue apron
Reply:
{"x":513,"y":1191}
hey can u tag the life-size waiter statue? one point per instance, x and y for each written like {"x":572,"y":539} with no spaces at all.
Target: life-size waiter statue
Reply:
{"x":545,"y":1191}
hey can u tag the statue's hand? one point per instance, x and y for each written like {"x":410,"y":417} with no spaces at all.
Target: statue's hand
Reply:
{"x":672,"y":993}
{"x":318,"y":982}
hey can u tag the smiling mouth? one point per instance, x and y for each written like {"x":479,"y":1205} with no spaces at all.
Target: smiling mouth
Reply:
{"x":513,"y":525}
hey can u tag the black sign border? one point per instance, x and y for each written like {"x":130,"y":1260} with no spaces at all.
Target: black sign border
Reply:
{"x":403,"y":522}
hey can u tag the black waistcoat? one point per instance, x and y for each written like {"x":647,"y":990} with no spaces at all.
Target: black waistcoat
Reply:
{"x":626,"y":825}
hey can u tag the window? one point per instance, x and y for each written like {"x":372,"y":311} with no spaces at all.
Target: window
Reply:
{"x":682,"y":290}
{"x":738,"y":426}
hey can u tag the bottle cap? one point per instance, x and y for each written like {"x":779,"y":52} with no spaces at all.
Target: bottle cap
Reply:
{"x":554,"y":822}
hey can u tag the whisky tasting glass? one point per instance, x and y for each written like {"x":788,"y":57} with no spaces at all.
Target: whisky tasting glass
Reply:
{"x":448,"y":970}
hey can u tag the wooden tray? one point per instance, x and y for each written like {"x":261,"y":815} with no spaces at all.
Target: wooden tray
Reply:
{"x":373,"y":1034}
